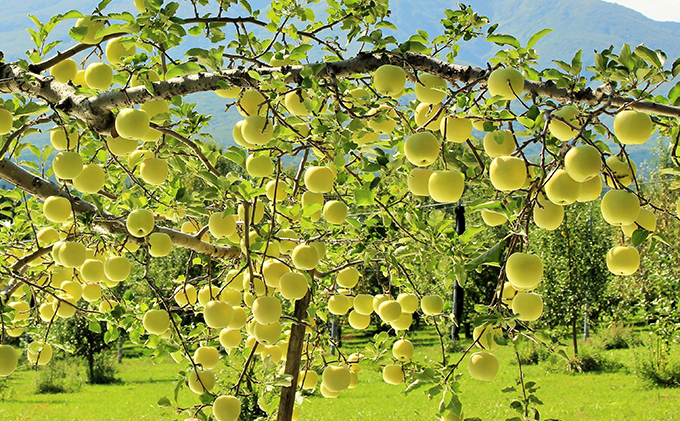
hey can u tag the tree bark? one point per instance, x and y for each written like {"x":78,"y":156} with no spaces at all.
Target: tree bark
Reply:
{"x":293,"y":358}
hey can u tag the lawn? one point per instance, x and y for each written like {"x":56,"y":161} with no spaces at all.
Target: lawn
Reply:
{"x":607,"y":396}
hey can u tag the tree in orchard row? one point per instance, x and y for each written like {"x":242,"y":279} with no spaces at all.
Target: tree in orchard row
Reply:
{"x":276,"y":249}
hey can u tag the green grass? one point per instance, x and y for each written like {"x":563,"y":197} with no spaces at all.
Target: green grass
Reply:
{"x":616,"y":395}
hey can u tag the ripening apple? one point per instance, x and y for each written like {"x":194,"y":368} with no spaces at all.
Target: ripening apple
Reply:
{"x":116,"y":51}
{"x":385,"y":120}
{"x":286,"y":246}
{"x":231,"y":92}
{"x":402,"y":350}
{"x":154,"y":171}
{"x":432,"y":305}
{"x":293,"y":285}
{"x":230,"y":338}
{"x":389,"y":310}
{"x":92,"y":292}
{"x":58,"y":137}
{"x":561,"y":130}
{"x":446,"y":186}
{"x":64,"y":306}
{"x":67,"y":165}
{"x":229,"y":295}
{"x":583,"y":163}
{"x":507,"y":173}
{"x":421,"y":149}
{"x":39,"y":353}
{"x":562,"y":189}
{"x":499,"y":143}
{"x":132,"y":123}
{"x":201,"y":382}
{"x":620,"y":207}
{"x":547,"y":215}
{"x":493,"y":218}
{"x":276,"y":190}
{"x":237,"y":134}
{"x":251,"y":102}
{"x":48,"y":235}
{"x":221,"y":225}
{"x":99,"y":76}
{"x":257,"y":130}
{"x":319,"y":179}
{"x":429,"y":116}
{"x":156,"y":321}
{"x":218,"y":314}
{"x":632,"y":127}
{"x":528,"y":305}
{"x":484,"y":335}
{"x":393,"y":374}
{"x":358,"y":321}
{"x":409,"y":302}
{"x":140,"y":223}
{"x":403,"y":322}
{"x":8,"y":360}
{"x":259,"y":165}
{"x":91,"y":179}
{"x":623,"y":260}
{"x":389,"y":80}
{"x":508,"y":83}
{"x":339,"y":304}
{"x":311,"y":198}
{"x":590,"y":190}
{"x":335,"y":212}
{"x":362,"y":138}
{"x":645,"y":220}
{"x":524,"y":270}
{"x":483,"y":366}
{"x":623,"y":172}
{"x":57,"y":209}
{"x":79,"y":79}
{"x":336,"y":378}
{"x":64,"y":71}
{"x":295,"y":102}
{"x":185,"y":294}
{"x":160,"y":244}
{"x":266,"y":309}
{"x":308,"y":379}
{"x":226,"y":408}
{"x":240,"y":317}
{"x":267,"y":334}
{"x":207,"y":356}
{"x":120,"y":146}
{"x":117,"y":268}
{"x":363,"y":304}
{"x":22,"y":310}
{"x":430,"y":89}
{"x":456,"y":130}
{"x":347,"y":277}
{"x":327,"y":393}
{"x":72,"y":254}
{"x":418,"y":181}
{"x":91,"y":28}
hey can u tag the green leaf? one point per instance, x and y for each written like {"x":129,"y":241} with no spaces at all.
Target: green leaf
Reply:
{"x":504,"y":39}
{"x":648,"y":55}
{"x":639,"y":236}
{"x":364,"y":197}
{"x":537,"y":36}
{"x":164,"y":401}
{"x":94,"y":326}
{"x":386,"y":24}
{"x":183,"y":70}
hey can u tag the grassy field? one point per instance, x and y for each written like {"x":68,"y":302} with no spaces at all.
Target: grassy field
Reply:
{"x":615,"y":395}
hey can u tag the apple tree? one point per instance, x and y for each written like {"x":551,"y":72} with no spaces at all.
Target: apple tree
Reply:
{"x":352,"y":149}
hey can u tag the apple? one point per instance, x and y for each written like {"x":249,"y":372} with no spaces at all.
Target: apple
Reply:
{"x":259,"y":165}
{"x":339,"y":304}
{"x":230,"y":338}
{"x":132,"y":123}
{"x":226,"y":408}
{"x":493,"y":218}
{"x":402,"y":350}
{"x":308,"y":379}
{"x":389,"y":310}
{"x":64,"y":306}
{"x":483,"y":366}
{"x":363,"y":304}
{"x":389,"y":80}
{"x":92,"y":292}
{"x":429,"y":112}
{"x":430,"y":89}
{"x":117,"y":268}
{"x":547,"y":215}
{"x":507,"y":173}
{"x":484,"y":335}
{"x":72,"y":254}
{"x":64,"y":71}
{"x":39,"y":353}
{"x":67,"y":165}
{"x":456,"y":130}
{"x":632,"y":127}
{"x":379,"y":299}
{"x":48,"y":235}
{"x":154,"y":171}
{"x":418,"y":181}
{"x":79,"y":79}
{"x":645,"y":220}
{"x":620,"y":208}
{"x":229,"y":295}
{"x":311,"y":198}
{"x":393,"y":374}
{"x":8,"y":360}
{"x":239,"y":319}
{"x":251,"y":102}
{"x":385,"y":120}
{"x":327,"y":393}
{"x":295,"y":102}
{"x":508,"y":83}
{"x":499,"y":143}
{"x":107,"y":305}
{"x":446,"y":186}
{"x":432,"y":305}
{"x":524,"y":270}
{"x":347,"y":277}
{"x":358,"y":321}
{"x":562,"y":189}
{"x":623,"y":172}
{"x":421,"y":149}
{"x":201,"y":381}
{"x":91,"y":179}
{"x":561,"y":130}
{"x":156,"y":321}
{"x":99,"y":76}
{"x":403,"y":322}
{"x":257,"y":130}
{"x":583,"y":163}
{"x":160,"y":244}
{"x":218,"y":314}
{"x":221,"y":225}
{"x":91,"y":28}
{"x":120,"y":146}
{"x":185,"y":294}
{"x":335,"y":212}
{"x":267,"y":334}
{"x":237,"y":134}
{"x":231,"y":92}
{"x":623,"y":260}
{"x":528,"y":305}
{"x":156,"y":107}
{"x":92,"y":270}
{"x":22,"y":310}
{"x":57,"y":209}
{"x":58,"y":137}
{"x":207,"y":356}
{"x":590,"y":190}
{"x":266,"y":310}
{"x":116,"y":51}
{"x":319,"y":179}
{"x":409,"y":302}
{"x":336,"y":378}
{"x":140,"y":223}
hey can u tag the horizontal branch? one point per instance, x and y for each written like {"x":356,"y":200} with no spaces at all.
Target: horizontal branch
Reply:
{"x":42,"y":189}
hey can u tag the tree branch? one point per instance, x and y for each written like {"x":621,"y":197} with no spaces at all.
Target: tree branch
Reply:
{"x":70,"y":52}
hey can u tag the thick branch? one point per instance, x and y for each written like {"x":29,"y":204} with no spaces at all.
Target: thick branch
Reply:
{"x":42,"y":189}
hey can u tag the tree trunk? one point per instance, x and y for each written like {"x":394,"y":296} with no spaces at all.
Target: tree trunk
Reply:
{"x":295,"y":343}
{"x":90,"y":366}
{"x":574,"y":336}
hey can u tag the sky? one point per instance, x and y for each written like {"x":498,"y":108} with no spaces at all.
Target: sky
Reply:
{"x":662,"y":10}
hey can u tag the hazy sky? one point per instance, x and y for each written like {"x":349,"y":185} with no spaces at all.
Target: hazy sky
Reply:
{"x":663,"y":10}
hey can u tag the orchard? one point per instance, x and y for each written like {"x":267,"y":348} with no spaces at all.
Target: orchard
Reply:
{"x":337,"y":202}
